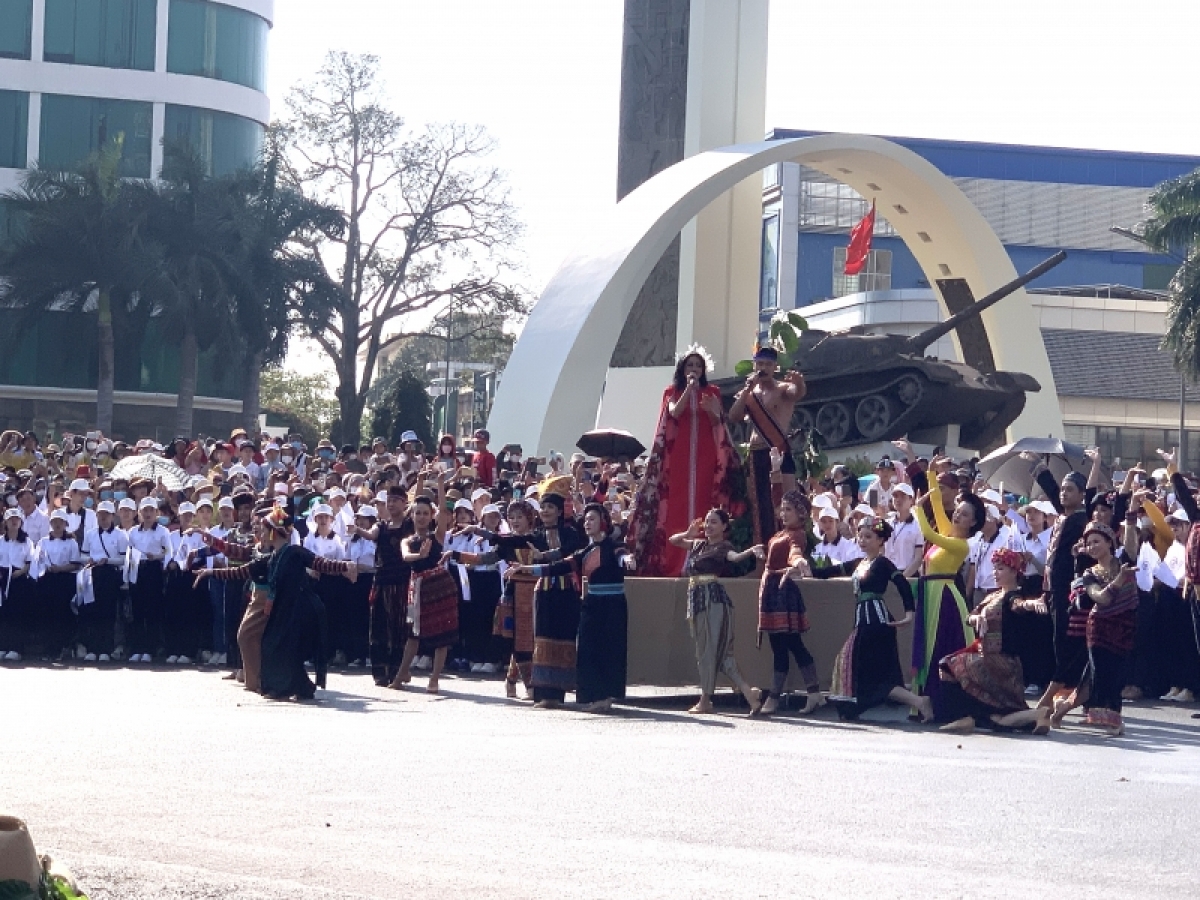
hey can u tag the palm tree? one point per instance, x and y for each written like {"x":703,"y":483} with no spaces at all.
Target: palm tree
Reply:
{"x":277,"y":280}
{"x":83,"y":241}
{"x":1173,"y":228}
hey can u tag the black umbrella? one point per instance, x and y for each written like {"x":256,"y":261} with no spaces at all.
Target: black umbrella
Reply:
{"x":609,"y":443}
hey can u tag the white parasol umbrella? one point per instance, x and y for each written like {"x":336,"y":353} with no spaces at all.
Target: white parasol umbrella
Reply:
{"x":1013,"y":463}
{"x":154,"y":468}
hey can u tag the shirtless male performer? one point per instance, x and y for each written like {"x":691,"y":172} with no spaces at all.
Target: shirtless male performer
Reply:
{"x":768,"y":403}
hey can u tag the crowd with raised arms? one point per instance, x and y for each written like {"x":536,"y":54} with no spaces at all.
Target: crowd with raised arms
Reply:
{"x":273,"y":562}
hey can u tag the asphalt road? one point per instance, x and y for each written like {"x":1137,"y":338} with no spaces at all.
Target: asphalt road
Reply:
{"x":158,"y":784}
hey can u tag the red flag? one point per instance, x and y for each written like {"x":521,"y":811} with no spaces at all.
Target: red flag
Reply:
{"x":860,"y":242}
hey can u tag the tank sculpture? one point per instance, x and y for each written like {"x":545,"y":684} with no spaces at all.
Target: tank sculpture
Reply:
{"x":864,"y":388}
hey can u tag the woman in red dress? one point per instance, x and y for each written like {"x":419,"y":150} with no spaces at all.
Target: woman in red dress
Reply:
{"x":690,"y":471}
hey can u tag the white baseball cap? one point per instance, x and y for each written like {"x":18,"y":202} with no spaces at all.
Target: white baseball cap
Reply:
{"x":187,"y":508}
{"x":863,"y":509}
{"x":61,"y":515}
{"x":322,"y":509}
{"x":15,"y":514}
{"x":80,"y":484}
{"x":904,"y":488}
{"x":464,"y":504}
{"x":827,"y":513}
{"x":381,"y":497}
{"x":1045,"y":507}
{"x":335,"y":492}
{"x":480,"y":493}
{"x":225,"y":503}
{"x":490,"y":508}
{"x":127,"y":503}
{"x":204,"y":501}
{"x":148,"y":502}
{"x":992,"y":496}
{"x":106,"y":506}
{"x":367,"y":511}
{"x":1179,"y":516}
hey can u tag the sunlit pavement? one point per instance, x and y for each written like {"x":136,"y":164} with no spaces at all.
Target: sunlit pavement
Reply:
{"x":176,"y":784}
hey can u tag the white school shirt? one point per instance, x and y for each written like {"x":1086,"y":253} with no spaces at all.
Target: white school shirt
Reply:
{"x":88,"y":517}
{"x":1148,"y":562}
{"x":1171,"y":571}
{"x":106,"y":547}
{"x":362,"y":551}
{"x":844,"y":551}
{"x":152,"y":543}
{"x":16,"y":554}
{"x":906,"y":543}
{"x":330,"y":547}
{"x":37,"y":525}
{"x":981,"y":555}
{"x":1037,"y":546}
{"x":57,"y":553}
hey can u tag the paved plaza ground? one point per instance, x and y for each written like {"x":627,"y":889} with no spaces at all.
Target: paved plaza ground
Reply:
{"x":175,"y":784}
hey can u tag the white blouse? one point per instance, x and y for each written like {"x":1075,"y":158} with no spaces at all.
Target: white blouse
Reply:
{"x":15,"y":554}
{"x":152,"y":543}
{"x":362,"y":551}
{"x":330,"y":547}
{"x":106,"y":547}
{"x":58,"y":552}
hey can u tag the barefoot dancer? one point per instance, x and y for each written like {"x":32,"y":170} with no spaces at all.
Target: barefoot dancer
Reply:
{"x":710,"y":611}
{"x":867,"y":670}
{"x":984,"y":683}
{"x":781,"y":612}
{"x":432,"y":595}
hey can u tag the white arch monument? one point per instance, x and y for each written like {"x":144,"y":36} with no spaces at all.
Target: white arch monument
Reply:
{"x":552,"y":385}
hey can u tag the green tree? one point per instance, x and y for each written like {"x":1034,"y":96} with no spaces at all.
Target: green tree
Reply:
{"x":428,"y":223}
{"x":82,"y":245}
{"x":405,"y":407}
{"x":1173,"y":228}
{"x":304,"y":396}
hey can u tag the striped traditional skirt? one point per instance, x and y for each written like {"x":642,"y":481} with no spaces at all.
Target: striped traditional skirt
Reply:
{"x":781,"y":607}
{"x":554,"y":647}
{"x":433,"y":608}
{"x":514,"y":613}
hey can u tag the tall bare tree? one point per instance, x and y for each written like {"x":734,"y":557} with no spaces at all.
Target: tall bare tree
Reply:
{"x":429,"y":223}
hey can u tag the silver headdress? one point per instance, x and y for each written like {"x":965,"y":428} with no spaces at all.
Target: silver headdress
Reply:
{"x":700,"y":351}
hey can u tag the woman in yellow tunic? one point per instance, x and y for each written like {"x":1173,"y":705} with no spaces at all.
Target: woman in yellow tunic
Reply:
{"x":942,"y":626}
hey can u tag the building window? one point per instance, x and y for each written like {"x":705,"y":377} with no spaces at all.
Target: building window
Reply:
{"x":1123,"y":447}
{"x":14,"y":124}
{"x":16,"y":28}
{"x":1157,"y":277}
{"x":225,"y":142}
{"x":217,"y":41}
{"x":118,"y":34}
{"x":832,"y":206}
{"x":876,"y":276}
{"x":75,"y":127}
{"x":768,"y":284}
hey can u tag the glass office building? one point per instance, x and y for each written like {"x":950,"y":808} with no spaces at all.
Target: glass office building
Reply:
{"x":74,"y":74}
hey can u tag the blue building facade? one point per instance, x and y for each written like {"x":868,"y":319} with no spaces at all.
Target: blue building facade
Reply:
{"x":1038,"y":200}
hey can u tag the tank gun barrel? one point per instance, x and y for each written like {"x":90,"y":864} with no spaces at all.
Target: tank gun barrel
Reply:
{"x":919,"y":342}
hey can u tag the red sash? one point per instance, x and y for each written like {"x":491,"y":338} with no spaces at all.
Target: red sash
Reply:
{"x":764,"y":423}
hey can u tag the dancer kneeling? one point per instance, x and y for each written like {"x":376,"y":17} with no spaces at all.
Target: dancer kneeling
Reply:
{"x":710,"y":611}
{"x":984,"y":683}
{"x":867,"y":670}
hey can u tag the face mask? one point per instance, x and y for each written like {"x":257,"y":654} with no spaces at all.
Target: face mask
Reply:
{"x":164,"y":521}
{"x":91,"y":446}
{"x":106,"y":495}
{"x":119,"y":495}
{"x":88,"y":502}
{"x":326,"y":454}
{"x":296,"y":445}
{"x":287,"y":460}
{"x":11,"y":500}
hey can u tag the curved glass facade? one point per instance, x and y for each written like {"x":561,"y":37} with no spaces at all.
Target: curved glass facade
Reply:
{"x":75,"y":127}
{"x":217,"y":41}
{"x":16,"y":28}
{"x":14,"y":124}
{"x":118,"y":34}
{"x":226,"y":142}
